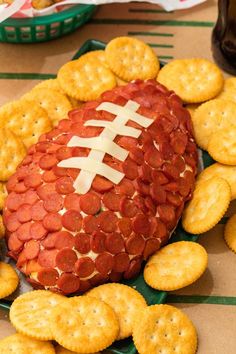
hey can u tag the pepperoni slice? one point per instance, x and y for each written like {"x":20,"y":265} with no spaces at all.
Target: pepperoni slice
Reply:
{"x":136,"y":154}
{"x":37,"y":231}
{"x":52,"y":222}
{"x":64,"y":239}
{"x":65,"y":125}
{"x":42,"y":146}
{"x":141,"y":224}
{"x":90,"y":203}
{"x":161,"y":230}
{"x":49,"y":176}
{"x":72,"y":201}
{"x":115,"y":276}
{"x":32,"y":266}
{"x":166,"y":212}
{"x":128,"y":207}
{"x":82,"y":243}
{"x":48,"y":276}
{"x":121,"y":262}
{"x":98,"y":279}
{"x":23,"y":232}
{"x":64,"y":185}
{"x":139,"y":201}
{"x":84,"y":286}
{"x":134,"y":268}
{"x":135,"y":244}
{"x":173,"y":198}
{"x":20,"y":187}
{"x":30,"y":197}
{"x":14,"y":201}
{"x":104,"y":263}
{"x":178,"y":141}
{"x":145,"y":173}
{"x":114,"y":243}
{"x":21,"y":260}
{"x":64,"y":153}
{"x":170,"y":171}
{"x":45,"y":190}
{"x":72,"y":220}
{"x":11,"y":183}
{"x":107,"y":221}
{"x":90,"y":224}
{"x":178,"y":162}
{"x":112,"y":201}
{"x":171,"y":187}
{"x":153,"y":157}
{"x":68,"y":283}
{"x":24,"y":213}
{"x":158,"y":193}
{"x":125,"y":187}
{"x":14,"y":243}
{"x":84,"y":267}
{"x":130,"y":169}
{"x":150,"y":205}
{"x":65,"y":259}
{"x":34,"y":284}
{"x":159,"y":178}
{"x":33,"y":180}
{"x":31,"y":249}
{"x":166,"y":150}
{"x":38,"y":211}
{"x":101,"y":184}
{"x":125,"y":226}
{"x":98,"y":242}
{"x":47,"y":161}
{"x":59,"y":171}
{"x":152,"y":245}
{"x":73,"y":172}
{"x":49,"y":241}
{"x":53,"y":202}
{"x":127,"y":142}
{"x":141,"y":187}
{"x":47,"y":258}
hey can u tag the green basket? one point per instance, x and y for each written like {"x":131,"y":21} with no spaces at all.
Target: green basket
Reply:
{"x":45,"y":28}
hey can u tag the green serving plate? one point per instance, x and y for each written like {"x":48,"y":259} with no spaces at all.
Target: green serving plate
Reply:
{"x":152,"y":296}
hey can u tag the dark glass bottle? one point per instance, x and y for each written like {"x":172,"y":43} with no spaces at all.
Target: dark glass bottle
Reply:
{"x":224,"y":36}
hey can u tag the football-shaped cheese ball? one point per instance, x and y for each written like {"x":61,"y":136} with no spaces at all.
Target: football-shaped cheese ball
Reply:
{"x":103,"y":191}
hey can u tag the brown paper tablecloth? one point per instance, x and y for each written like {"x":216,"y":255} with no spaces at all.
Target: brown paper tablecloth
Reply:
{"x":210,"y":302}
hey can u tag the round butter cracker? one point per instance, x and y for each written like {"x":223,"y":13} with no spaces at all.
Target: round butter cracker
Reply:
{"x":209,"y":203}
{"x":124,"y":300}
{"x":55,"y":103}
{"x":31,"y":313}
{"x":175,"y":266}
{"x":223,"y":171}
{"x":12,"y":152}
{"x":130,"y":59}
{"x":26,"y":119}
{"x":210,"y":117}
{"x":85,"y":80}
{"x":229,"y":90}
{"x":164,"y":329}
{"x":194,"y":80}
{"x":8,"y":280}
{"x":3,"y":194}
{"x":84,"y":324}
{"x":230,"y":233}
{"x":222,"y":145}
{"x":20,"y":344}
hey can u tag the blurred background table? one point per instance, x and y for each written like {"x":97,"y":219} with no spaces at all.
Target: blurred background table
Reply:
{"x":210,"y":302}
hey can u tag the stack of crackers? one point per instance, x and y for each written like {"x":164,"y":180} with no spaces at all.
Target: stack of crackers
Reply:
{"x":92,"y":322}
